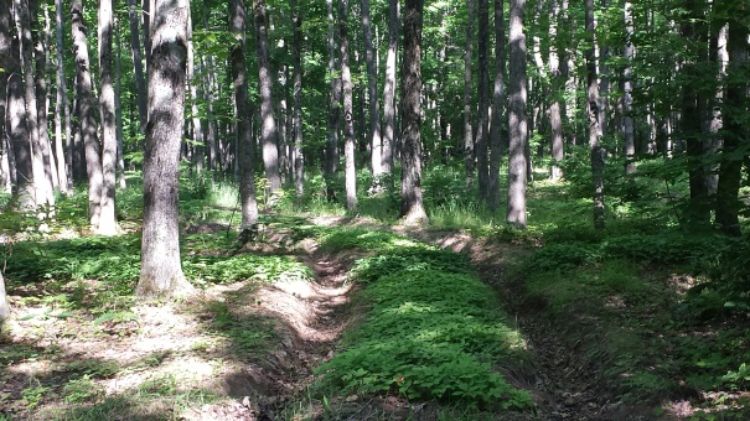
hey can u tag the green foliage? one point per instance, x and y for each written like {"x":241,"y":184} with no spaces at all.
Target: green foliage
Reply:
{"x":432,"y":331}
{"x":33,"y":395}
{"x":248,"y":335}
{"x":81,"y":390}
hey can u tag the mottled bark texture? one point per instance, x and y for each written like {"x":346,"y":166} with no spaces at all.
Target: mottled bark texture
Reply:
{"x":350,"y":173}
{"x":87,"y":113}
{"x":517,"y":122}
{"x":269,"y":134}
{"x":376,"y":145}
{"x":334,"y":107}
{"x":628,"y":127}
{"x":244,"y":116}
{"x":107,"y":110}
{"x":594,"y":120}
{"x":62,"y":109}
{"x":389,"y":88}
{"x":468,"y":125}
{"x":299,"y":157}
{"x":14,"y":117}
{"x":161,"y":269}
{"x":412,"y":208}
{"x":555,"y":107}
{"x":135,"y":48}
{"x":41,"y":172}
{"x":498,"y":107}
{"x":737,"y":129}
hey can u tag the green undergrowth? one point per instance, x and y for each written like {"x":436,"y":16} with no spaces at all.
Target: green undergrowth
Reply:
{"x":62,"y":270}
{"x":432,"y":330}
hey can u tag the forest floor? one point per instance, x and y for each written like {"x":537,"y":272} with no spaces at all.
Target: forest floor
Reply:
{"x":328,"y":316}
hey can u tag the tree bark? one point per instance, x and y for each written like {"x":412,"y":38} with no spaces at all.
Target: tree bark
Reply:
{"x":244,"y":114}
{"x":412,"y":208}
{"x":121,"y":183}
{"x":299,"y":158}
{"x":108,"y":220}
{"x":269,"y":132}
{"x":735,"y":124}
{"x":87,"y":114}
{"x":161,"y":270}
{"x":517,"y":122}
{"x":389,"y":88}
{"x":62,"y":109}
{"x":555,"y":108}
{"x":42,"y":102}
{"x":376,"y":145}
{"x":334,"y":107}
{"x":199,"y":143}
{"x":42,"y":179}
{"x":698,"y":212}
{"x":597,"y":153}
{"x":468,"y":128}
{"x":627,"y":91}
{"x":483,"y":93}
{"x":14,"y":117}
{"x":346,"y":81}
{"x":5,"y":51}
{"x":135,"y":48}
{"x":498,"y":106}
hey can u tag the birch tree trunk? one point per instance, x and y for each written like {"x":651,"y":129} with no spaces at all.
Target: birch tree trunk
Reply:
{"x":161,"y":269}
{"x":412,"y":208}
{"x":346,"y":81}
{"x":517,"y":123}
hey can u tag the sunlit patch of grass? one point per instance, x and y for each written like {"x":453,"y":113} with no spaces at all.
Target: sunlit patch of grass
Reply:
{"x":432,"y":330}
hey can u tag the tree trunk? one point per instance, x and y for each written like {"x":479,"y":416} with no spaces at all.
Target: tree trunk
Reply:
{"x":482,"y":123}
{"x":161,"y":270}
{"x":498,"y":106}
{"x":107,"y":221}
{"x":698,"y":212}
{"x":468,"y":130}
{"x":42,"y":180}
{"x":62,"y":108}
{"x":627,"y":91}
{"x":389,"y":88}
{"x":334,"y":107}
{"x":5,"y":51}
{"x":244,"y":115}
{"x":517,"y":123}
{"x":14,"y":118}
{"x":555,"y":108}
{"x":346,"y":81}
{"x":121,"y":183}
{"x":40,"y":82}
{"x":597,"y":153}
{"x":412,"y":209}
{"x":299,"y":158}
{"x":135,"y":47}
{"x":199,"y":144}
{"x":269,"y":133}
{"x":735,"y":124}
{"x":376,"y":146}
